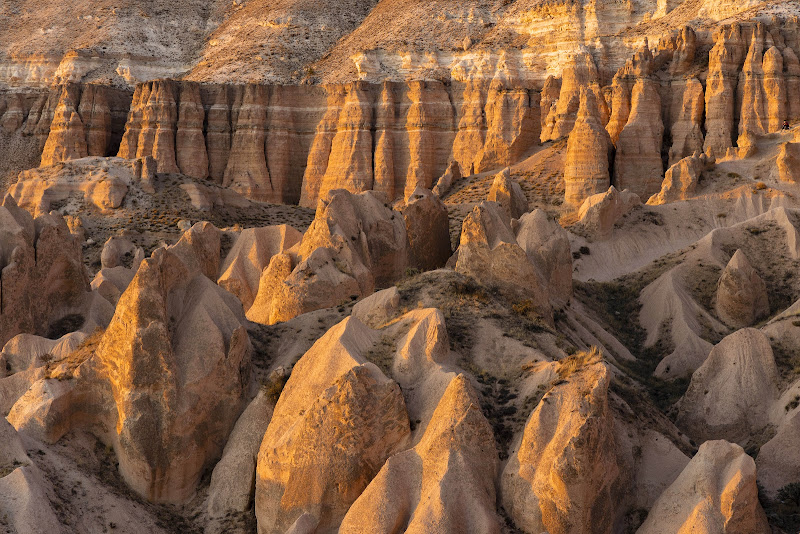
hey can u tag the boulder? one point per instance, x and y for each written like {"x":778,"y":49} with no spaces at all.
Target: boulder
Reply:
{"x":681,"y":180}
{"x":741,"y":298}
{"x":378,"y":308}
{"x":446,"y":181}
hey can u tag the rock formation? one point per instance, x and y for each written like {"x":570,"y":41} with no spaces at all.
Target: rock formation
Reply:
{"x":489,"y":252}
{"x":731,"y":393}
{"x":724,"y":62}
{"x":445,"y":181}
{"x":688,"y":107}
{"x":38,"y":253}
{"x":716,"y":492}
{"x":175,"y":339}
{"x":333,"y":394}
{"x":508,"y":194}
{"x":250,"y":255}
{"x":741,"y":298}
{"x":579,"y":71}
{"x":589,"y":150}
{"x":190,"y":143}
{"x":680,"y":181}
{"x":354,"y":244}
{"x":562,"y":470}
{"x":444,"y":484}
{"x":637,"y":165}
{"x":787,"y":165}
{"x":599,"y":213}
{"x":547,"y":245}
{"x":428,"y":230}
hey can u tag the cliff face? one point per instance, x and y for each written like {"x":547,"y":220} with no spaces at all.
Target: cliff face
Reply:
{"x":290,"y":144}
{"x":293,"y":144}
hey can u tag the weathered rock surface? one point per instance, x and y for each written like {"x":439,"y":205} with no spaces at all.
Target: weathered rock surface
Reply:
{"x":445,"y":182}
{"x":680,"y":181}
{"x":637,"y":164}
{"x":176,"y":358}
{"x":354,"y":244}
{"x":428,"y":230}
{"x":562,"y":470}
{"x":508,"y":194}
{"x":547,"y":245}
{"x":333,"y":395}
{"x":489,"y":252}
{"x":724,"y":62}
{"x":38,"y":253}
{"x":787,"y":164}
{"x":589,"y":149}
{"x":444,"y":484}
{"x":250,"y":255}
{"x":741,"y":298}
{"x":687,"y":112}
{"x":716,"y":492}
{"x":730,"y":395}
{"x":599,"y":213}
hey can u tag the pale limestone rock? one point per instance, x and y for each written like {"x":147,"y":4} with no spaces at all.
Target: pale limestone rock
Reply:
{"x":332,"y":395}
{"x":725,"y":61}
{"x":637,"y":165}
{"x":731,"y":393}
{"x":680,"y":181}
{"x":547,"y":245}
{"x":233,"y":479}
{"x":489,"y":253}
{"x":176,"y":359}
{"x":190,"y":143}
{"x":787,"y":164}
{"x":741,"y":298}
{"x":508,"y":194}
{"x":427,"y":229}
{"x":562,"y":469}
{"x":688,"y":107}
{"x":586,"y":168}
{"x":716,"y":492}
{"x":599,"y":213}
{"x":378,"y":308}
{"x":250,"y":255}
{"x":444,"y":484}
{"x":445,"y":182}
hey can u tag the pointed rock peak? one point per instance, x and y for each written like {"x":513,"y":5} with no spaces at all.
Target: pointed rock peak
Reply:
{"x":739,"y":261}
{"x":9,"y":202}
{"x":588,"y":107}
{"x":773,"y":61}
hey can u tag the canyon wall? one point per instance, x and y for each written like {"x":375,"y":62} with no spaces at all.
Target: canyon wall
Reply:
{"x":294,"y":143}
